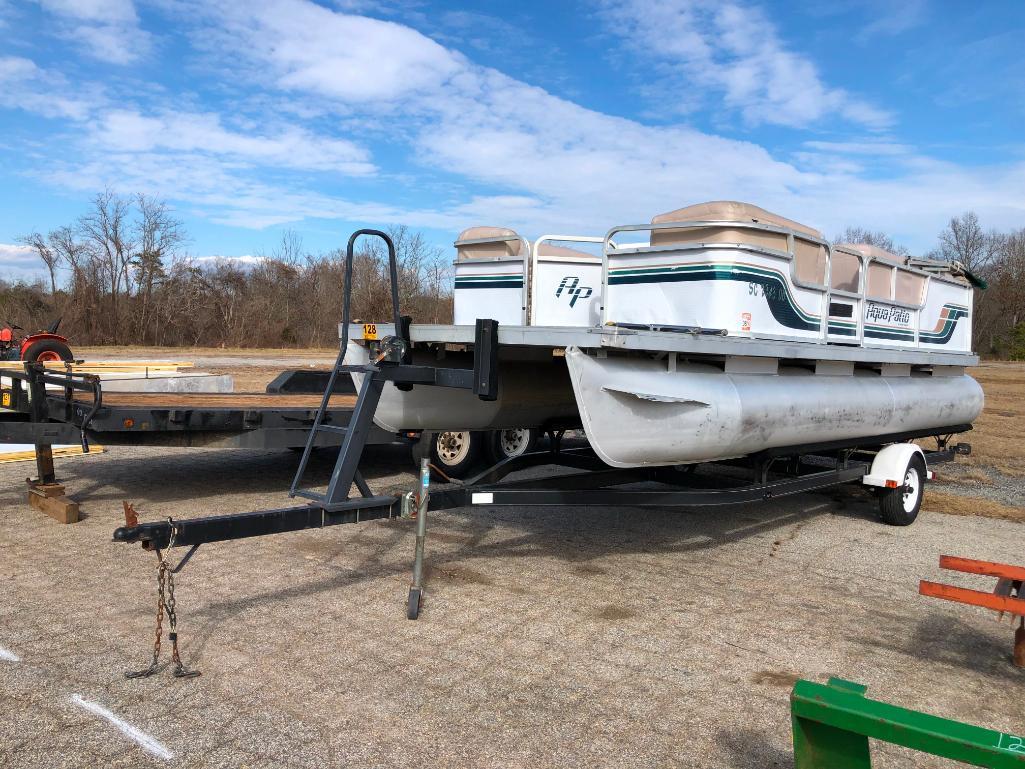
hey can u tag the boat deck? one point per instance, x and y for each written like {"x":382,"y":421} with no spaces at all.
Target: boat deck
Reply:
{"x":710,"y":344}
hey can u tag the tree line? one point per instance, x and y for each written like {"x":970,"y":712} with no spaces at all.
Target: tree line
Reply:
{"x":998,"y":325}
{"x":119,"y":275}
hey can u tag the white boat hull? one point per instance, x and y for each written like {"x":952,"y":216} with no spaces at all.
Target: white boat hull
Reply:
{"x":636,"y":412}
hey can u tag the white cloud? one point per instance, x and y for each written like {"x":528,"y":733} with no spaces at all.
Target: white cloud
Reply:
{"x":291,"y":147}
{"x":557,"y":165}
{"x":861,"y":147}
{"x":734,"y":50}
{"x":108,"y":30}
{"x":23,"y":85}
{"x":893,"y":18}
{"x":18,"y":262}
{"x":246,"y":260}
{"x":353,"y":58}
{"x":534,"y":161}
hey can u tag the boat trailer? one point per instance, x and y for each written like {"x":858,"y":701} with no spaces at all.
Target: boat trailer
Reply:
{"x":774,"y":473}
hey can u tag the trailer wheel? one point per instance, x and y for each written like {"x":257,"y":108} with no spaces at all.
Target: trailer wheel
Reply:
{"x":900,"y":506}
{"x":414,"y":602}
{"x":503,"y":444}
{"x":48,"y":350}
{"x":456,"y":453}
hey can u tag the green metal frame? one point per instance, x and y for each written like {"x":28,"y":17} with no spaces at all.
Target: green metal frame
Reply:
{"x":833,"y":723}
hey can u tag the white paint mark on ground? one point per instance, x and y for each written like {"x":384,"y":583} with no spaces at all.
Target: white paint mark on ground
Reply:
{"x":8,"y":656}
{"x":147,"y":743}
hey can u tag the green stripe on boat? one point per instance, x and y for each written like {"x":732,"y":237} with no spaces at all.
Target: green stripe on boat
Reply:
{"x":489,"y":281}
{"x":775,"y":287}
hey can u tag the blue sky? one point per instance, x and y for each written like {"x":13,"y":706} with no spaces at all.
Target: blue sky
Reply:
{"x":250,"y":118}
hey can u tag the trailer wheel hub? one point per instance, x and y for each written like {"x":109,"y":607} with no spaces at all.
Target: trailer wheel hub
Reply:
{"x":453,"y":447}
{"x":514,"y":442}
{"x":911,"y":489}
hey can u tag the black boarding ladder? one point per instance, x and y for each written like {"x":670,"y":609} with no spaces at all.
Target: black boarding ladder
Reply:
{"x":390,"y":361}
{"x":394,"y":351}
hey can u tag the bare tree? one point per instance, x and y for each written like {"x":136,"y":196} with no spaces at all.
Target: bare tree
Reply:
{"x":126,"y":280}
{"x":159,"y":236}
{"x":47,"y":254}
{"x":871,"y":238}
{"x":109,"y":241}
{"x":964,"y":241}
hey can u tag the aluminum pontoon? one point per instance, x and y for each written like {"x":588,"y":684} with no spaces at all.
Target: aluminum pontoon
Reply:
{"x":729,"y":331}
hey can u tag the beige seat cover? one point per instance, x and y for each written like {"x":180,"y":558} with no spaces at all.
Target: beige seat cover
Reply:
{"x":562,"y":252}
{"x":510,"y":245}
{"x":873,"y":252}
{"x":810,"y":257}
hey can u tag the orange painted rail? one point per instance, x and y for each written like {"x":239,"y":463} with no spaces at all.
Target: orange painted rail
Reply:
{"x":987,"y":568}
{"x":1009,"y":579}
{"x":973,"y":597}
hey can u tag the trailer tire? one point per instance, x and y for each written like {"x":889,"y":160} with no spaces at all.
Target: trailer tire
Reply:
{"x":47,"y":350}
{"x":455,"y":453}
{"x":504,"y":444}
{"x":899,"y":507}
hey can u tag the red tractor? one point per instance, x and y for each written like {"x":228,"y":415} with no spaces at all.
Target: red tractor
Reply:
{"x":42,"y":346}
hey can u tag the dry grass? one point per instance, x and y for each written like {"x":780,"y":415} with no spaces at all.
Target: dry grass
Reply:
{"x":997,"y":437}
{"x":956,"y":504}
{"x":973,"y":475}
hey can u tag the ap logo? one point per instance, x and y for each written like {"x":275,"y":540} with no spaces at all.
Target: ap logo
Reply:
{"x":570,"y":286}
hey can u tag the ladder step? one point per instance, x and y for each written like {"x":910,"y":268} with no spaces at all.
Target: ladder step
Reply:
{"x":307,"y":494}
{"x":332,"y":429}
{"x":360,"y":367}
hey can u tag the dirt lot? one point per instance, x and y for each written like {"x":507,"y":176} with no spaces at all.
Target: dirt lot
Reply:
{"x":587,"y":637}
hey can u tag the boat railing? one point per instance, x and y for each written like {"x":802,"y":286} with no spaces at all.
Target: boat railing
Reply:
{"x":866,"y":302}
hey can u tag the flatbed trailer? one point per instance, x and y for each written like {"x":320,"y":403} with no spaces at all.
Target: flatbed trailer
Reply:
{"x":44,"y":407}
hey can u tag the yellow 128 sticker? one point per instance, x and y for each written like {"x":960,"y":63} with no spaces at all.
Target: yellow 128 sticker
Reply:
{"x":370,"y":331}
{"x":6,"y":400}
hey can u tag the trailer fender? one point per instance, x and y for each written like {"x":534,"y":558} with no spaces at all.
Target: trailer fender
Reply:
{"x":891,"y":463}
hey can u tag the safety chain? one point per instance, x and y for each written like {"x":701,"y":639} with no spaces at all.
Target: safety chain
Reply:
{"x":165,"y":602}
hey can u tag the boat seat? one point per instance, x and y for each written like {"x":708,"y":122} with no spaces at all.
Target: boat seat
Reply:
{"x":566,"y":254}
{"x":809,"y":256}
{"x":490,"y":276}
{"x":506,"y":243}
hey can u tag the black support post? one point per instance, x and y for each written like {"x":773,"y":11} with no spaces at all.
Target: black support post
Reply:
{"x":44,"y":451}
{"x":485,"y":359}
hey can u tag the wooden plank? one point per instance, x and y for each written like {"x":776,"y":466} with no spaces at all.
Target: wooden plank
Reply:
{"x":104,"y":365}
{"x":988,"y":568}
{"x":48,"y":489}
{"x":62,"y":509}
{"x":972,"y":597}
{"x":219,"y":400}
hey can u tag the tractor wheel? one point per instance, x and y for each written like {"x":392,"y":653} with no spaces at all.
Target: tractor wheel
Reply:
{"x":48,"y":350}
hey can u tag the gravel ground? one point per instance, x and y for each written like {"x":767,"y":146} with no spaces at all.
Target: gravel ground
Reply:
{"x":549,"y":638}
{"x":982,"y":482}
